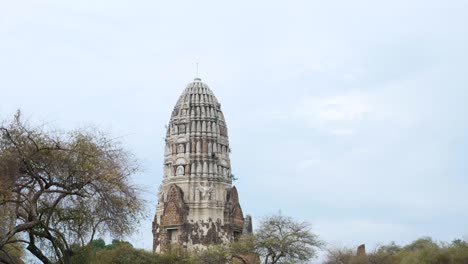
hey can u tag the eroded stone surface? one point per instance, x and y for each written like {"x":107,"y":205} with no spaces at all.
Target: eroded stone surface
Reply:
{"x":197,"y":204}
{"x":361,"y":250}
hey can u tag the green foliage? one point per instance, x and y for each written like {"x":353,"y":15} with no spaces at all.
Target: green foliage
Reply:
{"x":118,"y":243}
{"x":12,"y":253}
{"x":214,"y":254}
{"x":97,"y":252}
{"x":420,"y":251}
{"x":123,"y":252}
{"x":98,"y":244}
{"x":458,"y":250}
{"x":243,"y":250}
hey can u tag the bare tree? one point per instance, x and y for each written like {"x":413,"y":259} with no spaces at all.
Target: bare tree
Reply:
{"x":64,"y":188}
{"x":339,"y":256}
{"x":281,"y":239}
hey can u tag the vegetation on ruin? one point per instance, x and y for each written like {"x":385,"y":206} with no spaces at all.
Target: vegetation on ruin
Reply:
{"x":237,"y":252}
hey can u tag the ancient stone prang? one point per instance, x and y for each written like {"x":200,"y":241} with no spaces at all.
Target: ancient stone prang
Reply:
{"x":197,"y":203}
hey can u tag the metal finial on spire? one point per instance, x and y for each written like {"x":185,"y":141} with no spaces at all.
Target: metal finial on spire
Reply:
{"x":196,"y":76}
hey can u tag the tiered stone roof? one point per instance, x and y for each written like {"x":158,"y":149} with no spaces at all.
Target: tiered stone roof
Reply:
{"x":197,"y":142}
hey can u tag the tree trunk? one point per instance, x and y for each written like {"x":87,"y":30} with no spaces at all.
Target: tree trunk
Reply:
{"x":36,"y":252}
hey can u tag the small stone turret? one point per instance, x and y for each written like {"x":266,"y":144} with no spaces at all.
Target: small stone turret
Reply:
{"x":247,"y":225}
{"x":361,"y":250}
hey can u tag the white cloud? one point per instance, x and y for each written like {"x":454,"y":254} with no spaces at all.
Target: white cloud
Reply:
{"x":338,"y":115}
{"x":336,"y":108}
{"x":349,"y":77}
{"x":306,"y":164}
{"x":342,"y":132}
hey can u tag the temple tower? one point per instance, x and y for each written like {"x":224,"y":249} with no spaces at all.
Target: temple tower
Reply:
{"x":197,"y":203}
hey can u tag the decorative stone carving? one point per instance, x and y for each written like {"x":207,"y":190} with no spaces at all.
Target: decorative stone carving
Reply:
{"x":224,"y":162}
{"x":180,"y":171}
{"x":180,"y":148}
{"x":160,"y":194}
{"x":203,"y":128}
{"x":210,"y":148}
{"x":180,"y":161}
{"x":194,"y":169}
{"x":174,"y":208}
{"x":206,"y":191}
{"x":167,"y":149}
{"x":198,"y":147}
{"x":199,"y":168}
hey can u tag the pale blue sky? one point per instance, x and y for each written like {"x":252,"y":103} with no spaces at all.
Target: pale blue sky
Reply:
{"x":351,"y":115}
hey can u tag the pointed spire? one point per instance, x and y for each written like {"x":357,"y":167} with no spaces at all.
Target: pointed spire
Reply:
{"x":196,"y":75}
